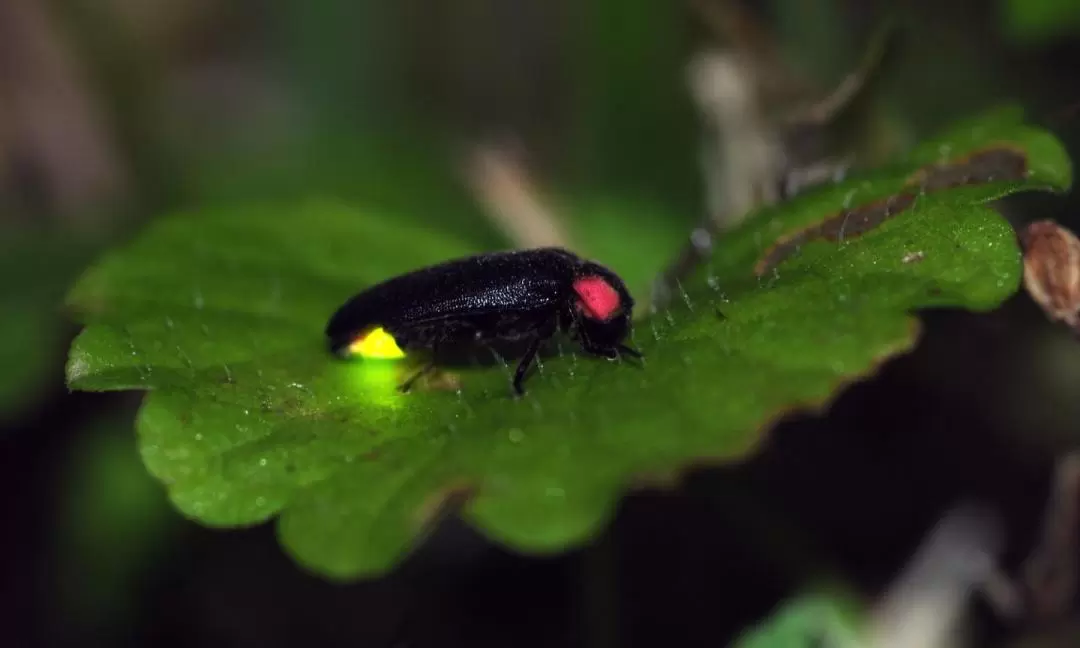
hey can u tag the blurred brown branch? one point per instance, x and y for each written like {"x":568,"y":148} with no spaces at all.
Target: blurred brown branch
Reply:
{"x":55,"y":152}
{"x":499,"y":180}
{"x":1050,"y":574}
{"x":924,"y":607}
{"x":1044,"y":593}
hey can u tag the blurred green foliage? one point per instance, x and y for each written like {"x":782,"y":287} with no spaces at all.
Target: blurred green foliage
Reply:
{"x":1039,"y":21}
{"x":37,"y":267}
{"x":113,"y":522}
{"x":810,"y":620}
{"x":636,"y":126}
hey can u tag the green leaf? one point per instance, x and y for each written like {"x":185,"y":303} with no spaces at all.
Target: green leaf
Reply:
{"x":220,"y":314}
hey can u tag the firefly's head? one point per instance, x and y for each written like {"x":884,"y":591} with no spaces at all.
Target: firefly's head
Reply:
{"x":602,"y":309}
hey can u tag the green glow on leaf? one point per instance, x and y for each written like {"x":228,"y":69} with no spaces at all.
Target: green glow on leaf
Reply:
{"x":377,"y":383}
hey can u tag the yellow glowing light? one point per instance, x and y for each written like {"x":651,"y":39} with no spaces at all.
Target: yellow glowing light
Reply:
{"x":377,"y":344}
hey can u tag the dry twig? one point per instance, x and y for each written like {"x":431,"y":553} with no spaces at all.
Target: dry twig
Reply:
{"x":925,"y":606}
{"x":1045,"y":591}
{"x":500,"y":182}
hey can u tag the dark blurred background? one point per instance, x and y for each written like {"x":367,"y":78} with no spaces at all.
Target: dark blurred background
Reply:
{"x":115,"y":111}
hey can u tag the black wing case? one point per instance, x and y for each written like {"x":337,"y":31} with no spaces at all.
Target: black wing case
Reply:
{"x":414,"y":307}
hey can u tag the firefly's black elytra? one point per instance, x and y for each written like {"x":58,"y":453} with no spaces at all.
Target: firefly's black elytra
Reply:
{"x":521,"y":296}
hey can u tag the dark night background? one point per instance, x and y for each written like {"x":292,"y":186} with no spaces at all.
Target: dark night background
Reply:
{"x":182,"y":95}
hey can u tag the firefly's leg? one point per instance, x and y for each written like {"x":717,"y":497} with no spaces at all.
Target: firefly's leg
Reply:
{"x":407,"y":385}
{"x":604,"y":352}
{"x":523,"y":366}
{"x":611,"y":352}
{"x":428,"y":368}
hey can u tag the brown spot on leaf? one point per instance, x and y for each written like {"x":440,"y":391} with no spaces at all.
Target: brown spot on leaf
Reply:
{"x":440,"y":381}
{"x":1052,"y":270}
{"x":849,"y":223}
{"x":913,"y":257}
{"x":661,"y":480}
{"x":992,"y":164}
{"x":288,"y":403}
{"x":442,"y":501}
